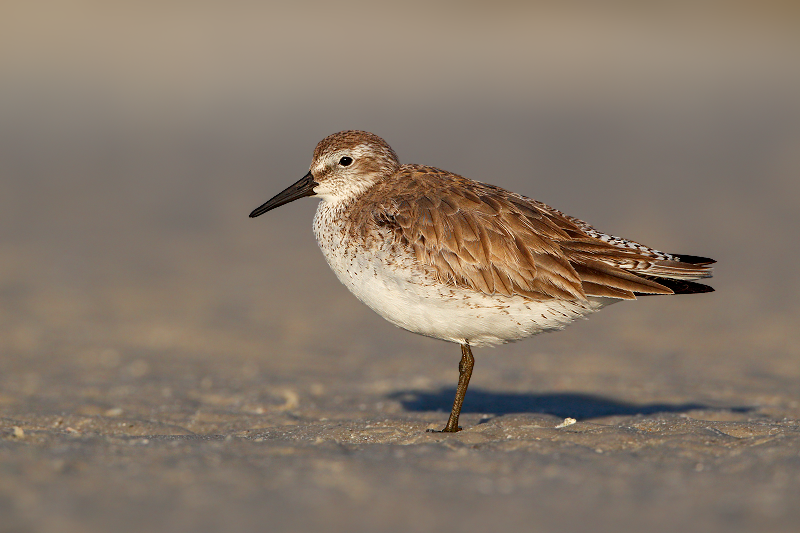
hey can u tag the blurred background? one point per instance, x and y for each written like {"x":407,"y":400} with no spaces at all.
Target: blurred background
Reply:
{"x":135,"y":138}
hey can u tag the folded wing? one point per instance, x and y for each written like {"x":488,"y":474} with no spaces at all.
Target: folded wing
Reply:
{"x":484,"y":238}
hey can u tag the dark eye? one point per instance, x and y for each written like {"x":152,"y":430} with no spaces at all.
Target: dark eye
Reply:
{"x":345,"y":161}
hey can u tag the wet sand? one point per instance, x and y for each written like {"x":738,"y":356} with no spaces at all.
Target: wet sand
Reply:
{"x":168,"y":364}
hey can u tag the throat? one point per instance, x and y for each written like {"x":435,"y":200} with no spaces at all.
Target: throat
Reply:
{"x":330,"y":223}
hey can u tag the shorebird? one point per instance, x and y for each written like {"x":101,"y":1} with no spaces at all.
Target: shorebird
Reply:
{"x":463,"y":261}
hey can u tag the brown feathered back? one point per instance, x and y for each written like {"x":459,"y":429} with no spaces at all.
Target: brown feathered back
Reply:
{"x":481,"y":237}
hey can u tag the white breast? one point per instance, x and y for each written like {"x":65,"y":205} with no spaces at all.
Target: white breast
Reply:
{"x":386,"y":277}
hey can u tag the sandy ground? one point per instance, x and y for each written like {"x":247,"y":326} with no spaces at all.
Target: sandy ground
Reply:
{"x":167,"y":364}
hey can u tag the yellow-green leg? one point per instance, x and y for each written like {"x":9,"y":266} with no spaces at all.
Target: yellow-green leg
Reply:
{"x":464,"y":373}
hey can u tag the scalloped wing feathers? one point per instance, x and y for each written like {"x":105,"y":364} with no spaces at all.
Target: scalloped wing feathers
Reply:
{"x":481,"y":237}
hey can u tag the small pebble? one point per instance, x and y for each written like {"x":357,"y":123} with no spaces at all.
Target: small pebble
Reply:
{"x":566,"y":422}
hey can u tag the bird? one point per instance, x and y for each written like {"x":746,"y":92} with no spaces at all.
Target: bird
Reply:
{"x":448,"y":257}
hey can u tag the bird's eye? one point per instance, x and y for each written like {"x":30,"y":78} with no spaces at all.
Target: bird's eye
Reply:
{"x":345,"y":161}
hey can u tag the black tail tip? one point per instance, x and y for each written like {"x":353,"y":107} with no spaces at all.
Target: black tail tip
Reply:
{"x":694,"y":288}
{"x":681,"y":286}
{"x":693,"y":259}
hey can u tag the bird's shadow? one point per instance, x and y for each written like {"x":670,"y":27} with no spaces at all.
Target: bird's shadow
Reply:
{"x":561,"y":404}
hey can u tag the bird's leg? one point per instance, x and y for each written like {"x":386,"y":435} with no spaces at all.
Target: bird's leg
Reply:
{"x":464,"y":373}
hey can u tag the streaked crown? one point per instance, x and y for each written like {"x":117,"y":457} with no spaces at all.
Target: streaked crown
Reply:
{"x":345,"y":164}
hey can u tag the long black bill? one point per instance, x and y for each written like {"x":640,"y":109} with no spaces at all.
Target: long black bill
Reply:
{"x":304,"y":187}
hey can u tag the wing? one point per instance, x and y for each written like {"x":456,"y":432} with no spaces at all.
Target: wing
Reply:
{"x":484,"y":238}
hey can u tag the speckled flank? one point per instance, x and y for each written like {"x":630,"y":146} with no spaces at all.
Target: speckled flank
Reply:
{"x":386,"y":276}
